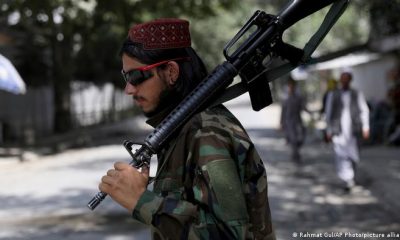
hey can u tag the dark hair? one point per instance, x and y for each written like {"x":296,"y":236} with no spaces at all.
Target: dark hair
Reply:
{"x":348,"y":74}
{"x":191,"y":72}
{"x":291,"y":81}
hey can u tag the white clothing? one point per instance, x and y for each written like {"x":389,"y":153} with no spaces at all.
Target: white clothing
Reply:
{"x":345,"y":144}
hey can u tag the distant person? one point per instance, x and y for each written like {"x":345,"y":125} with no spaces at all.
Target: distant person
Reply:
{"x":381,"y":121}
{"x":331,"y":85}
{"x":394,"y":100}
{"x":291,"y":121}
{"x":347,"y":117}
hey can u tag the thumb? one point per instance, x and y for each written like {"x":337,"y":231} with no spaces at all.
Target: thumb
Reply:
{"x":121,"y":165}
{"x":145,"y":171}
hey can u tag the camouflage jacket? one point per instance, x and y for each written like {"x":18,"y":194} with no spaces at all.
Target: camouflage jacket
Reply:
{"x":210,"y":184}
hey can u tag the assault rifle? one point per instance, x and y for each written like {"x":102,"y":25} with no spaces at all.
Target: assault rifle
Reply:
{"x":259,"y":39}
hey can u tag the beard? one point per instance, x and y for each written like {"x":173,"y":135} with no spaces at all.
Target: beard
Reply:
{"x":169,"y":99}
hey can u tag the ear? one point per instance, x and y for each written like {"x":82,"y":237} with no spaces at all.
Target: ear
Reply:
{"x":172,"y":72}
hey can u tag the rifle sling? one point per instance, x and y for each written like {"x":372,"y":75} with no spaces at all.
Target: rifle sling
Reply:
{"x":330,"y":19}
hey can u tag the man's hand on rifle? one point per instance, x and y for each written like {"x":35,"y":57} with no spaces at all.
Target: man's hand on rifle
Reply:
{"x":125,"y":184}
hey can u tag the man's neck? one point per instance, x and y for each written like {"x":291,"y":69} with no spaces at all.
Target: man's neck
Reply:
{"x":168,"y":101}
{"x":345,"y":89}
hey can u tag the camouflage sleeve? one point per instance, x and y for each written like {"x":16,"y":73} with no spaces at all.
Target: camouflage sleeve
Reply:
{"x":168,"y":216}
{"x":218,"y":155}
{"x":219,"y":214}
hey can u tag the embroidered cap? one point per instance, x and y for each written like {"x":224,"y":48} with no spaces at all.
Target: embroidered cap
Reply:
{"x":161,"y":33}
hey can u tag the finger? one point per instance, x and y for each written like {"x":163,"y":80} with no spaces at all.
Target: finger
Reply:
{"x":104,"y":187}
{"x":121,"y":165}
{"x":145,"y":171}
{"x":107,"y":180}
{"x":112,"y":173}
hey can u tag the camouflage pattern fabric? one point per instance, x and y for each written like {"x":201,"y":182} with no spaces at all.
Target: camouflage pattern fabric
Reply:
{"x":210,"y":184}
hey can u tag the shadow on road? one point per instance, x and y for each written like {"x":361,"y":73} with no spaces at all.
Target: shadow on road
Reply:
{"x":309,"y":198}
{"x":303,"y":198}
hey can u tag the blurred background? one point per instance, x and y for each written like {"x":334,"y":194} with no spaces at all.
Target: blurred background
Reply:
{"x":67,"y":54}
{"x":62,"y":102}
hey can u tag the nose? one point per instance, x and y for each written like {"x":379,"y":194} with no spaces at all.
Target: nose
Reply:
{"x":130,"y":89}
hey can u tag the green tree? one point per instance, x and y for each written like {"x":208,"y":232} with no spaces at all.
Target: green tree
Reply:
{"x":61,"y":40}
{"x":384,"y":18}
{"x":68,"y":39}
{"x":47,"y":53}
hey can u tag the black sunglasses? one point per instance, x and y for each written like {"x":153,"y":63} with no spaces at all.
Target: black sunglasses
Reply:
{"x":138,"y":75}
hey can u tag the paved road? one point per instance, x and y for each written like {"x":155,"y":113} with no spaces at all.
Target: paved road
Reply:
{"x":45,"y":197}
{"x":309,"y":198}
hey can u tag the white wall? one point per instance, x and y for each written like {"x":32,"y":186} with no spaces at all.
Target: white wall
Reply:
{"x":369,"y":72}
{"x":89,"y":101}
{"x":371,"y":77}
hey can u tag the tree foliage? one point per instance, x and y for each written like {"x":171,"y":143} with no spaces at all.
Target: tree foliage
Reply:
{"x":57,"y":41}
{"x":384,"y":18}
{"x":351,"y":29}
{"x":72,"y":39}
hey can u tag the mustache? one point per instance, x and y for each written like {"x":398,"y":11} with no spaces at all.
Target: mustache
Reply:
{"x":138,"y":98}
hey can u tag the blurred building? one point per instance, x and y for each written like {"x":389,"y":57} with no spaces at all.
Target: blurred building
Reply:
{"x":369,"y":71}
{"x":369,"y":63}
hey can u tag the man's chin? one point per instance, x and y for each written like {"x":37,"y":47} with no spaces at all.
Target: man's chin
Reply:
{"x":148,"y":113}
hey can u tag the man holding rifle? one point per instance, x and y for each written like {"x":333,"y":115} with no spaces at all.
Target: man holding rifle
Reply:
{"x":210,"y":182}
